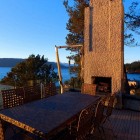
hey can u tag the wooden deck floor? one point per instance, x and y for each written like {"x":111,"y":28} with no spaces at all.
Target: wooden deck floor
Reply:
{"x":125,"y":124}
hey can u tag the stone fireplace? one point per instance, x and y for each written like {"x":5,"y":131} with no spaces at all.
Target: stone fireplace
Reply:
{"x":104,"y":84}
{"x":103,"y":45}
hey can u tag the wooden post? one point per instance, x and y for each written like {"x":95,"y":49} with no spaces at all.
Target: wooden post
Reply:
{"x":59,"y":70}
{"x":42,"y":90}
{"x":58,"y":62}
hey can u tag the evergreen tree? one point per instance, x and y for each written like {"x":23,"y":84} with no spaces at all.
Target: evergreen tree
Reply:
{"x":75,"y":23}
{"x":34,"y":68}
{"x":132,"y":24}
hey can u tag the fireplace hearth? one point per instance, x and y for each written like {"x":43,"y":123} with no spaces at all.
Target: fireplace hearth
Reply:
{"x":103,"y":84}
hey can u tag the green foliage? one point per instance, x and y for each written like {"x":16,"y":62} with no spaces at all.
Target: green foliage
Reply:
{"x":75,"y":23}
{"x":34,"y":68}
{"x":132,"y":24}
{"x":74,"y":82}
{"x":133,"y":67}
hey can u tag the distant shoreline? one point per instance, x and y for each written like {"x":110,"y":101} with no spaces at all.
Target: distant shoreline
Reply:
{"x":6,"y":67}
{"x":133,"y":72}
{"x":12,"y":62}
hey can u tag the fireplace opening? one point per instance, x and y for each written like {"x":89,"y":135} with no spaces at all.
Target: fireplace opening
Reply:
{"x":103,"y":84}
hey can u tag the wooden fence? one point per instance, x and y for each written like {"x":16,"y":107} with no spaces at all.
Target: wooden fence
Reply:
{"x":19,"y":96}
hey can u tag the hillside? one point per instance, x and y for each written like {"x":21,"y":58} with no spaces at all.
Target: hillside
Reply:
{"x":11,"y":62}
{"x":133,"y":67}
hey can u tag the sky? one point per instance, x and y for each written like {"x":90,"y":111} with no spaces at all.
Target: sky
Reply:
{"x":36,"y":26}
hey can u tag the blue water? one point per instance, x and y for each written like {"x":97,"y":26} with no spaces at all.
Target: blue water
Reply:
{"x":65,"y":73}
{"x":4,"y":71}
{"x":133,"y":76}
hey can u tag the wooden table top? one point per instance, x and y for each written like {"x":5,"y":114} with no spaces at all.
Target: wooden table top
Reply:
{"x":44,"y":116}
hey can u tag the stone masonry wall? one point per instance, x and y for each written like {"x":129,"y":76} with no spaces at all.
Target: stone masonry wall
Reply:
{"x":106,"y":59}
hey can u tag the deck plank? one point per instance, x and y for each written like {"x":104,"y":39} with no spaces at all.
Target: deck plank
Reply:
{"x":126,"y":124}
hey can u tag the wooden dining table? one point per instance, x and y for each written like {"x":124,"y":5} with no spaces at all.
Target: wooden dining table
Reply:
{"x":45,"y":117}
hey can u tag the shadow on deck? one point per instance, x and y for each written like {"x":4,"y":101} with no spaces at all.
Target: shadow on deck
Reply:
{"x":126,"y":125}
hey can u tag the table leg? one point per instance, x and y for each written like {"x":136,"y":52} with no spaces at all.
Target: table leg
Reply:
{"x":1,"y":131}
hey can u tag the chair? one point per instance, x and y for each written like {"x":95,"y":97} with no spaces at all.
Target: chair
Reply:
{"x":98,"y":118}
{"x":88,"y":89}
{"x":81,"y":128}
{"x":108,"y":112}
{"x":102,"y":114}
{"x":84,"y":124}
{"x":109,"y":108}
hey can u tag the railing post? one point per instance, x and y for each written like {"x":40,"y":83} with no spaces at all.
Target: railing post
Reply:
{"x":59,"y":70}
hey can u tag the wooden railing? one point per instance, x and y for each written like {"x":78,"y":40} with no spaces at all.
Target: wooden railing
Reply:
{"x":32,"y":93}
{"x":49,"y":90}
{"x":19,"y":96}
{"x":12,"y":97}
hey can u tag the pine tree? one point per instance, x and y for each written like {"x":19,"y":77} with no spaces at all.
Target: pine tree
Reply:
{"x":132,"y":24}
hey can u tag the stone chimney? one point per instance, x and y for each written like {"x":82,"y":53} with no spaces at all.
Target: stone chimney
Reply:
{"x":104,"y":45}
